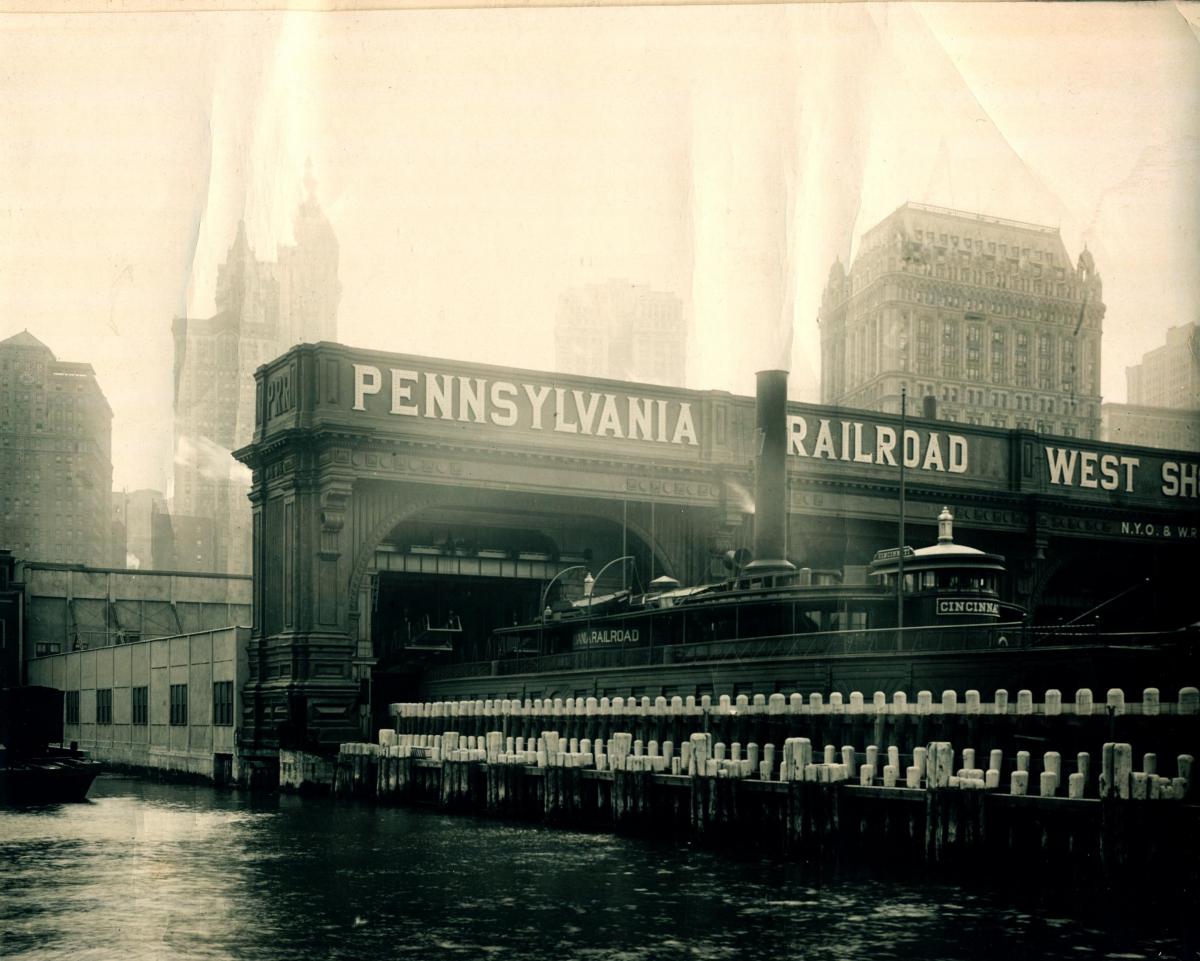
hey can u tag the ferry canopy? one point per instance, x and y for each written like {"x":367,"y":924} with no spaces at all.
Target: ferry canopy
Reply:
{"x":944,"y":554}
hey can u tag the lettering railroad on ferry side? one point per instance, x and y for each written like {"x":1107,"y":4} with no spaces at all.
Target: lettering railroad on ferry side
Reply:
{"x":599,"y":638}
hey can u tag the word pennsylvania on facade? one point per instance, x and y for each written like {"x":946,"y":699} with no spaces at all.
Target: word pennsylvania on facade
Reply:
{"x":535,"y":407}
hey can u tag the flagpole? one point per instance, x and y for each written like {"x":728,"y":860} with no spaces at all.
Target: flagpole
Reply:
{"x":900,"y":555}
{"x":624,"y":541}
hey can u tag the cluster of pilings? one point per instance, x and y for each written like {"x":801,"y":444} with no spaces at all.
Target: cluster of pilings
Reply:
{"x":817,"y":778}
{"x":1008,"y":725}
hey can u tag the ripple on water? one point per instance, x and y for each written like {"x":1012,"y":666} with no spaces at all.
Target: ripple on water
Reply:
{"x":162,"y":871}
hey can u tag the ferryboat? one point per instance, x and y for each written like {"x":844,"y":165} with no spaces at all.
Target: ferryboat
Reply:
{"x":947,"y":586}
{"x":934,"y":617}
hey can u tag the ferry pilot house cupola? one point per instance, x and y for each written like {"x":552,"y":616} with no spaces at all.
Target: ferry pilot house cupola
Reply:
{"x":946,"y":580}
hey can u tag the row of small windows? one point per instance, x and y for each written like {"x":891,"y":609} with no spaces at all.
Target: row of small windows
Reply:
{"x":1014,"y":252}
{"x":1000,"y":400}
{"x":222,"y":703}
{"x":1065,"y":429}
{"x":999,"y":281}
{"x":945,"y":580}
{"x":863,"y":276}
{"x":951,"y":394}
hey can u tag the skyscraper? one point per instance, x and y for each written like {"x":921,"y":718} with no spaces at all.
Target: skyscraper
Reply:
{"x":55,"y":456}
{"x":118,"y":538}
{"x":1163,"y":396}
{"x":985,"y":315}
{"x":624,"y":331}
{"x":1168,"y":376}
{"x":263,"y":308}
{"x":140,"y":508}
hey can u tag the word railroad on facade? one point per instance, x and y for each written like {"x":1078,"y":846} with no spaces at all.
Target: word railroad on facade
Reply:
{"x":934,"y":451}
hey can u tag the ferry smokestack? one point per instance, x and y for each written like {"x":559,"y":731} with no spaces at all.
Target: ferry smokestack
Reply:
{"x":770,"y":475}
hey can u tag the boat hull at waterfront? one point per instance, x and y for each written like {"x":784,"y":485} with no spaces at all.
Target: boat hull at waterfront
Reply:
{"x":56,"y":779}
{"x":31,"y":771}
{"x":987,"y":658}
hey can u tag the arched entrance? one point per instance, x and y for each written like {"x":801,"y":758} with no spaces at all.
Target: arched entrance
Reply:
{"x":445,"y":576}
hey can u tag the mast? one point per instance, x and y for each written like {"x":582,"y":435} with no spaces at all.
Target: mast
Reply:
{"x":900,"y":558}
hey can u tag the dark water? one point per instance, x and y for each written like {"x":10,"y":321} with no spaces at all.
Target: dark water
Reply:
{"x":166,"y":871}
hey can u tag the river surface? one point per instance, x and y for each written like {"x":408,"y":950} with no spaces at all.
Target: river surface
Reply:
{"x":146,"y":870}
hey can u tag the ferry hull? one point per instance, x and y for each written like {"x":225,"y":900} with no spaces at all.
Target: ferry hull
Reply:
{"x":1067,"y":668}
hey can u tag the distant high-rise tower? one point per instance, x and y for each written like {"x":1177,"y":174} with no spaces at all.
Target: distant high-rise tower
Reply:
{"x":55,"y":457}
{"x":118,"y":539}
{"x":985,"y":316}
{"x":263,"y":308}
{"x":140,"y":508}
{"x":1163,"y":396}
{"x":309,"y":289}
{"x":1168,"y":376}
{"x":624,"y":331}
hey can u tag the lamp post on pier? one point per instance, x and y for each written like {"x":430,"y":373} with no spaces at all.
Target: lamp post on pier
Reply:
{"x":900,"y":558}
{"x":546,"y":612}
{"x":589,"y":584}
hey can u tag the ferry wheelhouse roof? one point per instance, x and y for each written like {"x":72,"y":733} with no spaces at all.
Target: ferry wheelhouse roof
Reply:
{"x":942,"y":555}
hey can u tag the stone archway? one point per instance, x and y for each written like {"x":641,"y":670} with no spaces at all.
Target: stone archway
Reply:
{"x":396,"y":513}
{"x":381,"y":599}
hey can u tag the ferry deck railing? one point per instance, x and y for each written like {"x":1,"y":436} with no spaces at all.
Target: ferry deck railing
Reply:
{"x":966,"y":637}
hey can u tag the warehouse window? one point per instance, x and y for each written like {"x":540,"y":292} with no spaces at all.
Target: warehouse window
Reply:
{"x":72,"y":707}
{"x":179,"y":705}
{"x":223,"y":703}
{"x":104,"y":705}
{"x":141,"y":706}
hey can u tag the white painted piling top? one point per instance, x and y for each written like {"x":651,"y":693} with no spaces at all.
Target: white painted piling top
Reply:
{"x":1052,"y":703}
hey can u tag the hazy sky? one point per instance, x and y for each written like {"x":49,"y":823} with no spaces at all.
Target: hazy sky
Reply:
{"x":474,"y":164}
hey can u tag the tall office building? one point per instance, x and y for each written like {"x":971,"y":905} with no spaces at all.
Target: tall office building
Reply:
{"x":55,"y":456}
{"x":1163,"y":396}
{"x":1175,"y":428}
{"x":624,"y":331}
{"x":179,"y":542}
{"x":1168,"y":376}
{"x":140,"y":508}
{"x":986,"y":316}
{"x":263,"y":308}
{"x":118,"y":538}
{"x":12,"y":615}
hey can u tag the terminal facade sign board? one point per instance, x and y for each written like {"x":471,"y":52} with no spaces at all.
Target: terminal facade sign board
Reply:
{"x":430,"y":401}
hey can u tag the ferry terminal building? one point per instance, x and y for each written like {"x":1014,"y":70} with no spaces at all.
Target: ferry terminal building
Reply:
{"x":394,"y":496}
